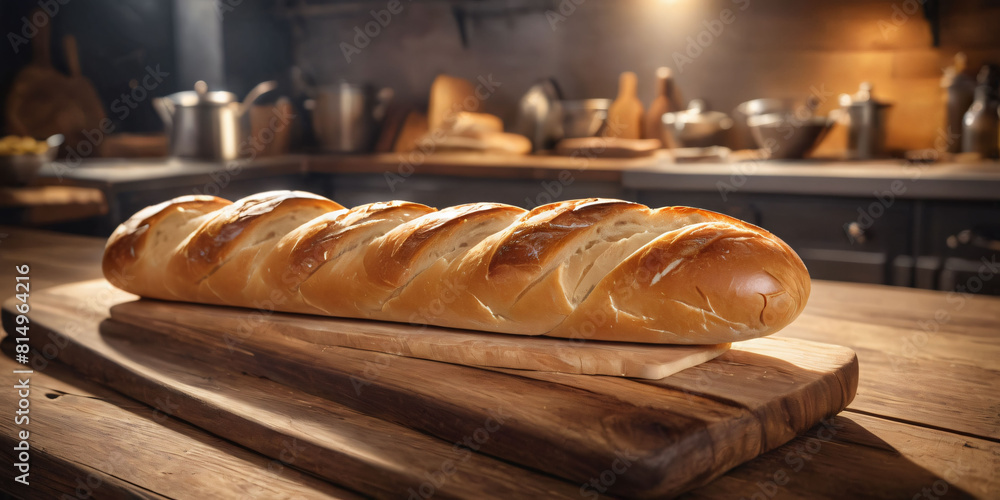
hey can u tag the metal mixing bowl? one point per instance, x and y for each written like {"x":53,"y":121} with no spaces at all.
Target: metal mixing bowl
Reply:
{"x":20,"y":170}
{"x":697,"y":128}
{"x":756,"y":107}
{"x":786,"y":137}
{"x":583,"y":118}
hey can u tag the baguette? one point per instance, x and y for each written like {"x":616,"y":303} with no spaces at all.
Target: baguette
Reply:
{"x":594,"y":269}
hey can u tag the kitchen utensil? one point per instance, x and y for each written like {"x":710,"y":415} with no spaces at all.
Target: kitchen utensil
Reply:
{"x":414,"y":128}
{"x":449,"y":95}
{"x":786,"y":137}
{"x":741,"y":130}
{"x":21,"y":169}
{"x":866,"y":124}
{"x":207,"y":125}
{"x":466,"y":122}
{"x":392,"y":125}
{"x":346,"y":116}
{"x":625,"y":113}
{"x":666,"y":101}
{"x":538,"y":115}
{"x":271,"y":126}
{"x":545,"y":416}
{"x":696,"y":127}
{"x":43,"y":102}
{"x":960,"y":90}
{"x":981,"y":123}
{"x":711,"y":154}
{"x":486,"y":142}
{"x":583,"y":118}
{"x":607,"y":147}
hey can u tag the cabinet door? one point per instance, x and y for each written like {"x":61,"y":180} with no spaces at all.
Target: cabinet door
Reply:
{"x":846,"y":239}
{"x":964,"y":238}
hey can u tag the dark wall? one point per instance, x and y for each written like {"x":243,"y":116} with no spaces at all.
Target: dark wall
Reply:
{"x":117,"y":40}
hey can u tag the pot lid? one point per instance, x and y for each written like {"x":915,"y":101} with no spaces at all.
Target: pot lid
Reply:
{"x":200,"y":96}
{"x":862,"y":98}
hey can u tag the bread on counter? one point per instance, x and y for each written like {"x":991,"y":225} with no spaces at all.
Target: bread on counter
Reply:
{"x":594,"y":269}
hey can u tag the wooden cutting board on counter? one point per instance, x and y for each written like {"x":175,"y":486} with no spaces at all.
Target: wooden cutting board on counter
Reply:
{"x":388,"y":425}
{"x":426,"y":342}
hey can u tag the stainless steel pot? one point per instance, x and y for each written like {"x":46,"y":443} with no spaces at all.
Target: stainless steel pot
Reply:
{"x":583,"y":118}
{"x":696,"y":127}
{"x":346,"y":116}
{"x":866,"y":116}
{"x":206,"y":125}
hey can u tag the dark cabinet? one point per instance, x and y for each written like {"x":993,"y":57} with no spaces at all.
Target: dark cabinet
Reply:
{"x":943,"y":245}
{"x":962,"y":241}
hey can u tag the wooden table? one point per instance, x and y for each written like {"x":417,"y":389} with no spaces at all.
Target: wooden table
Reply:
{"x":925,"y":422}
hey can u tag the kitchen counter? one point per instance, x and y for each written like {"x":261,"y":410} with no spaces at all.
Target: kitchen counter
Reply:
{"x":925,"y":421}
{"x":972,"y":181}
{"x":116,"y":174}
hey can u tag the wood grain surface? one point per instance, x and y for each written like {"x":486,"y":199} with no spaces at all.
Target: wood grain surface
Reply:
{"x":112,"y":457}
{"x":931,"y":358}
{"x":672,"y":438}
{"x":330,"y":440}
{"x":427,"y":342}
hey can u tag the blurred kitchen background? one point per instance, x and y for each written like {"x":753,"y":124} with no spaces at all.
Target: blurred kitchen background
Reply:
{"x":836,"y":125}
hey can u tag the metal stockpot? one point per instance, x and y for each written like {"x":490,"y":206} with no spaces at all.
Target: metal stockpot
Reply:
{"x":206,"y":125}
{"x":346,"y":116}
{"x":866,"y":132}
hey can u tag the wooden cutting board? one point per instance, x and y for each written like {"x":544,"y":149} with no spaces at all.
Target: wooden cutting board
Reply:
{"x":386,"y":424}
{"x":438,"y":344}
{"x":607,"y":147}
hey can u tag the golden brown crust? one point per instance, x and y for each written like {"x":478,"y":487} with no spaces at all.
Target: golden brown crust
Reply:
{"x":394,"y":260}
{"x":588,"y":269}
{"x":127,"y":245}
{"x":327,"y":236}
{"x":233,"y":228}
{"x":715,"y":282}
{"x":544,"y":231}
